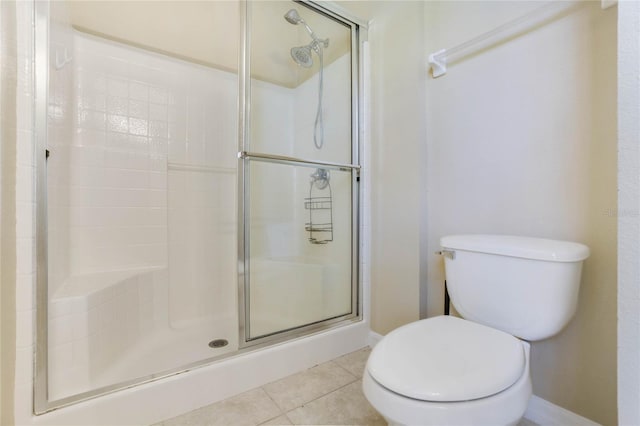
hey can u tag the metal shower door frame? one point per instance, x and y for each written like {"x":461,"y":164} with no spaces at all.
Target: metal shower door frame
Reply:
{"x":41,"y":27}
{"x":358,"y":30}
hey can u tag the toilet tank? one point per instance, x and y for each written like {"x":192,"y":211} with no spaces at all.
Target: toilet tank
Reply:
{"x":525,"y":286}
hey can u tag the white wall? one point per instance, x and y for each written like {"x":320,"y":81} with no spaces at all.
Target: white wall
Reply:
{"x":521,"y":140}
{"x":628,"y":213}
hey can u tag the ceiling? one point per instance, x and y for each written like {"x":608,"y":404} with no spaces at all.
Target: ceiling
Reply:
{"x":208,"y":33}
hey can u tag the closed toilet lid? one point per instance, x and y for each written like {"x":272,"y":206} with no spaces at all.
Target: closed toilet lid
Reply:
{"x":447,"y":359}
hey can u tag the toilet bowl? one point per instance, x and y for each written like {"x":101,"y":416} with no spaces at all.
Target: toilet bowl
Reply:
{"x":474,"y":370}
{"x":484,"y":397}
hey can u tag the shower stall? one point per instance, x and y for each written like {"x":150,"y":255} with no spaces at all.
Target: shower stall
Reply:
{"x":198,"y":185}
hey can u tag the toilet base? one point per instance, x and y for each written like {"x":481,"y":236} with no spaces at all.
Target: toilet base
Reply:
{"x":504,"y":408}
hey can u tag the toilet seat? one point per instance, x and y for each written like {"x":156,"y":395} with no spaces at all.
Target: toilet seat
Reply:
{"x":466,"y":360}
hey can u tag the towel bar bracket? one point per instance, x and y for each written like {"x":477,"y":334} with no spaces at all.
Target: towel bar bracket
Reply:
{"x":438,"y":62}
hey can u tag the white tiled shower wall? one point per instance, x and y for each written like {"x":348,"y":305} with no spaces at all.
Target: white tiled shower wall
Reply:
{"x":143,"y":193}
{"x":139,"y":117}
{"x":118,"y":161}
{"x":138,"y":141}
{"x":96,"y":320}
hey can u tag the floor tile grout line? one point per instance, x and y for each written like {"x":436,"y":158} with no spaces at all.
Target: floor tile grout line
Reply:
{"x":359,"y":379}
{"x":282,"y":411}
{"x":289,"y":418}
{"x":352,"y":353}
{"x":347,"y":371}
{"x":333,"y":365}
{"x":273,"y":418}
{"x":322,"y":396}
{"x":330,"y":392}
{"x":351,"y":376}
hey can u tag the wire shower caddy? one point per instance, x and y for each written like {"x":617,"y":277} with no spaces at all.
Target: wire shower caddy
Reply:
{"x":320,"y":207}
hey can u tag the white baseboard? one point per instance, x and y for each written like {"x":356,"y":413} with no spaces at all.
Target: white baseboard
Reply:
{"x":374,"y":338}
{"x":545,"y":413}
{"x":539,"y":411}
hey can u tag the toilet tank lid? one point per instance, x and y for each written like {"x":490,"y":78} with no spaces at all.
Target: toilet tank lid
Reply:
{"x":518,"y":246}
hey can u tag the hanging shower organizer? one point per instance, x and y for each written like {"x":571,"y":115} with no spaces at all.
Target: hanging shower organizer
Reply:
{"x":320,"y":207}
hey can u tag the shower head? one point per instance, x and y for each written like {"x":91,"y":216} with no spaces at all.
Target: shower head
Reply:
{"x":293,"y":17}
{"x":302,"y":56}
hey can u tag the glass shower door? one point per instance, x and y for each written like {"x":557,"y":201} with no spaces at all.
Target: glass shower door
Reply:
{"x":299,"y":171}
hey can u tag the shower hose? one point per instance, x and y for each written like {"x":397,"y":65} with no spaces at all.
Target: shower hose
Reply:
{"x":318,"y":127}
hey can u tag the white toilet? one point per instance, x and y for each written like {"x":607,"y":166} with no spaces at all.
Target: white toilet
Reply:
{"x":475,"y":371}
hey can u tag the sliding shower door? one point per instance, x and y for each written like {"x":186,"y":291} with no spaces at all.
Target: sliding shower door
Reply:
{"x":299,"y":170}
{"x":137,"y":192}
{"x":141,"y":193}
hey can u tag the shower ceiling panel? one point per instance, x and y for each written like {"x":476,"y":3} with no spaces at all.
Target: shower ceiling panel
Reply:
{"x":211,"y":37}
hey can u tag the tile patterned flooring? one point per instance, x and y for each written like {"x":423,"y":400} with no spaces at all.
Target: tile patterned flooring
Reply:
{"x":327,"y":394}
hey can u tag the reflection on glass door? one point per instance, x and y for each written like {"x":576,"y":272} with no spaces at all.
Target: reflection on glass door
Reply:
{"x":300,"y":247}
{"x":141,"y":193}
{"x":300,"y":170}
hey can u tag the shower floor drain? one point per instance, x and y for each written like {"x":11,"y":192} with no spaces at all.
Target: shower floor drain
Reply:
{"x":218,"y":343}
